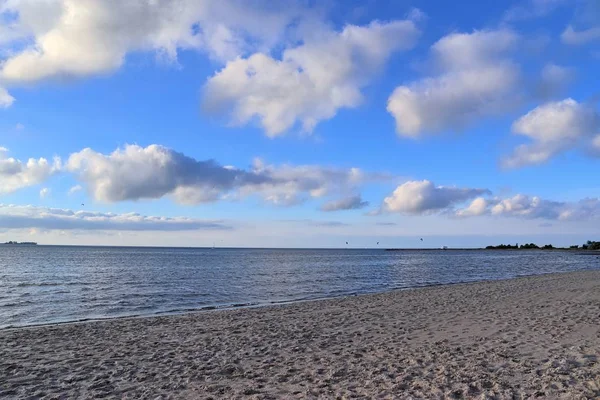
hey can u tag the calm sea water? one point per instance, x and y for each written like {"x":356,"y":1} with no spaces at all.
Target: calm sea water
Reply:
{"x":47,"y":284}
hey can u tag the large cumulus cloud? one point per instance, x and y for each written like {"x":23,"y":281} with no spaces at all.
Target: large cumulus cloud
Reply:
{"x":311,"y":82}
{"x":553,"y":128}
{"x":476,"y":78}
{"x":135,"y":173}
{"x":424,"y":197}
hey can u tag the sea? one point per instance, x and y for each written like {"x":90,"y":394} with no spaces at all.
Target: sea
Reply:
{"x":56,"y":284}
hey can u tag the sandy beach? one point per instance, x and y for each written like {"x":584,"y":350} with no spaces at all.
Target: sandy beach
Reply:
{"x":535,"y":337}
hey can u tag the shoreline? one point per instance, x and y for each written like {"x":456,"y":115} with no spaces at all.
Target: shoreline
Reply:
{"x":535,"y":336}
{"x":242,"y":306}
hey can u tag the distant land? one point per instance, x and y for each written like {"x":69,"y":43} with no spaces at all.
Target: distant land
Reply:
{"x":590,"y":245}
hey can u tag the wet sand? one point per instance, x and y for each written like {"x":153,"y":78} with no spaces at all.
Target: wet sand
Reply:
{"x":536,"y":337}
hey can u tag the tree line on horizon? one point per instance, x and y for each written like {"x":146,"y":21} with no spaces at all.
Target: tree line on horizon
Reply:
{"x":589,"y":245}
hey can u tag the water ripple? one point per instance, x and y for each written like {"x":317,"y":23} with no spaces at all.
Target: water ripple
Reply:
{"x":47,"y":284}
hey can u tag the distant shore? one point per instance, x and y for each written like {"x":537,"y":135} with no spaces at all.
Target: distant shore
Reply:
{"x":535,"y":336}
{"x":569,"y":249}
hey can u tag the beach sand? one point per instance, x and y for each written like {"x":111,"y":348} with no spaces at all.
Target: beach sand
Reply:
{"x":536,"y":337}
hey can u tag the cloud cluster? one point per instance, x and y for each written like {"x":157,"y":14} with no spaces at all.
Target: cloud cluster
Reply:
{"x":533,"y":207}
{"x":76,"y":38}
{"x":423,"y":197}
{"x":476,"y":79}
{"x":347,"y":203}
{"x":65,"y":39}
{"x":15,"y":174}
{"x":136,"y":173}
{"x":24,"y":217}
{"x":311,"y":82}
{"x":292,"y":184}
{"x":553,"y":128}
{"x":320,"y":70}
{"x":527,"y":207}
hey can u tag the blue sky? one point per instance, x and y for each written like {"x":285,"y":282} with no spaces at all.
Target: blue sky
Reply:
{"x":299,"y":124}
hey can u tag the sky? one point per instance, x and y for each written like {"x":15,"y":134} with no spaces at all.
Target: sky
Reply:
{"x":299,"y":123}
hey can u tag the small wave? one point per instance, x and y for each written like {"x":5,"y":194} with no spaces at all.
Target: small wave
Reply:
{"x":42,"y":284}
{"x":17,"y":304}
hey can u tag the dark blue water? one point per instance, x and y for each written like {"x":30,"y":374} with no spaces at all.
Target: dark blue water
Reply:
{"x":43,"y":284}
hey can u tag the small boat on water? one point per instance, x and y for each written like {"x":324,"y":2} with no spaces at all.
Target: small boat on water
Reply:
{"x":444,"y":247}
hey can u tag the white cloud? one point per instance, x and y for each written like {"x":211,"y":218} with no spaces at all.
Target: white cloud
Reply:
{"x":234,"y":28}
{"x":476,"y":79}
{"x":77,"y":38}
{"x":527,"y":207}
{"x":533,"y":9}
{"x":480,"y":48}
{"x":533,"y":207}
{"x":44,"y":192}
{"x":15,"y":174}
{"x":573,"y":37}
{"x":553,"y":121}
{"x":311,"y":82}
{"x":75,"y":189}
{"x":476,"y":208}
{"x":451,"y":101}
{"x":423,"y":197}
{"x":6,"y":100}
{"x":25,"y":217}
{"x":66,"y":39}
{"x":89,"y":37}
{"x":293,"y":184}
{"x":135,"y":173}
{"x":347,"y":203}
{"x":553,"y":128}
